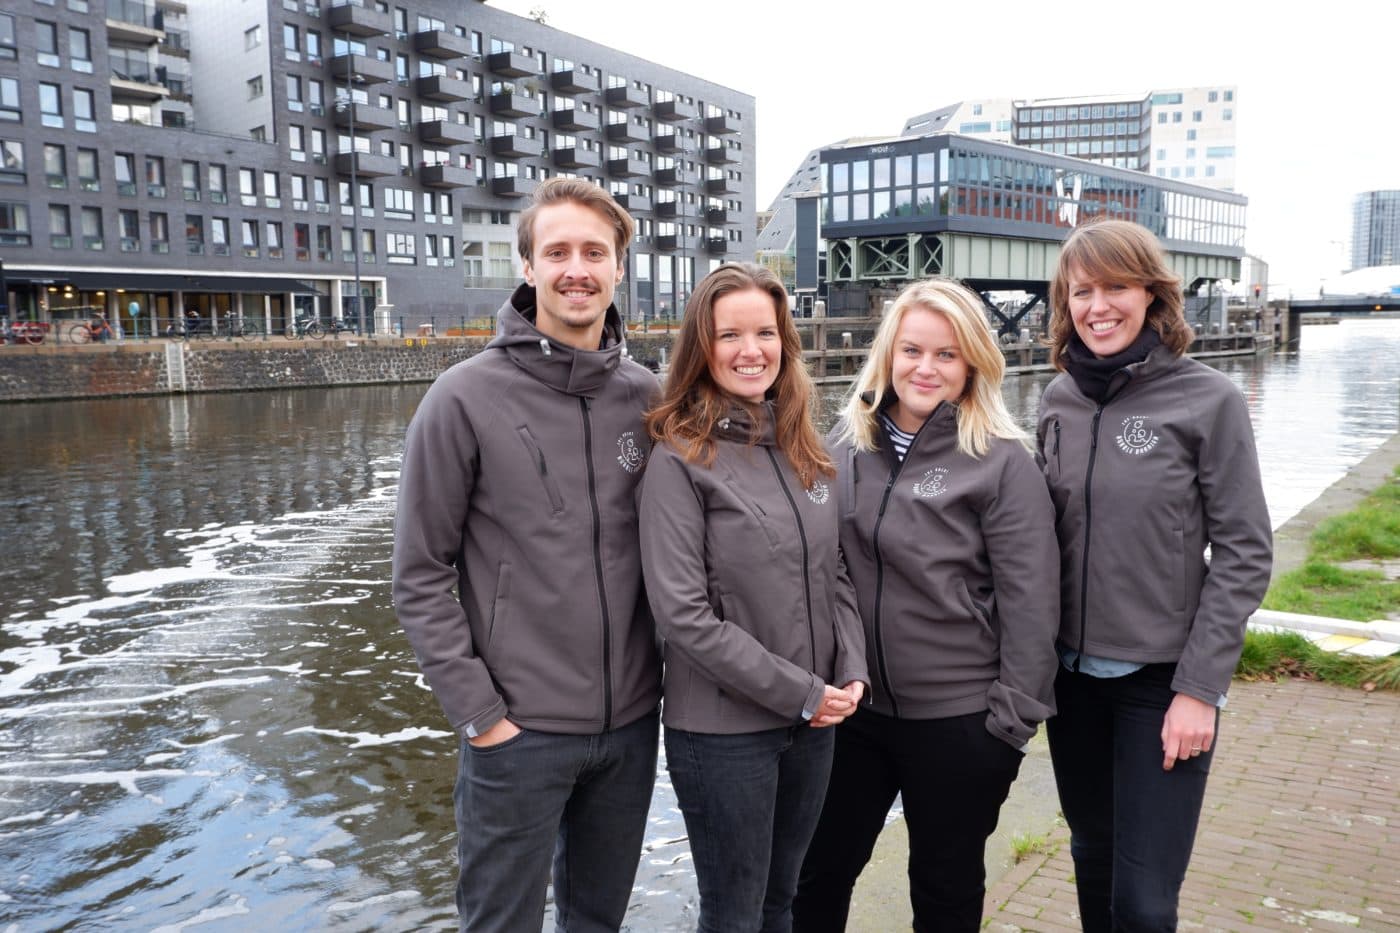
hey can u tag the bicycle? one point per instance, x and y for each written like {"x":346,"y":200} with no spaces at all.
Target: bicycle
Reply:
{"x":239,"y":327}
{"x":26,"y":332}
{"x":306,"y":326}
{"x":87,"y":332}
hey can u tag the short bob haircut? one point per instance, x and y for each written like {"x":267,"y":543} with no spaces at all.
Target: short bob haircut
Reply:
{"x":1119,"y":251}
{"x":692,"y":403}
{"x":982,"y":414}
{"x":553,"y":191}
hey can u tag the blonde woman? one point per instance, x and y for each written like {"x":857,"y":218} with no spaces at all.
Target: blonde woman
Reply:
{"x":949,"y":538}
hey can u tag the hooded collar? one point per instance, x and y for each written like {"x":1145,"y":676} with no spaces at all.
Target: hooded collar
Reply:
{"x":748,"y":424}
{"x":560,"y":366}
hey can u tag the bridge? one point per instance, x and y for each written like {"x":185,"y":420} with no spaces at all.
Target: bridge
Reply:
{"x":1348,"y":305}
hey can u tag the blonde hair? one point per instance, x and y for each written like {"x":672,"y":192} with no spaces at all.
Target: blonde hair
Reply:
{"x":691,"y":403}
{"x":1119,"y":252}
{"x":982,"y":414}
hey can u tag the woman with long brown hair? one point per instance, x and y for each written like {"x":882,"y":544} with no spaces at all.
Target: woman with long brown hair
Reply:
{"x":763,"y":647}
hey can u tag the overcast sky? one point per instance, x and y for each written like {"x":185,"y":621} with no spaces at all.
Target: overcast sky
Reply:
{"x":1316,"y":105}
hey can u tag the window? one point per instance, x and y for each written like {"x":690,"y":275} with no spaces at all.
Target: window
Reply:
{"x":60,"y":227}
{"x":218,"y":184}
{"x":55,"y":165}
{"x":255,"y":87}
{"x":291,"y":43}
{"x":218,"y":236}
{"x":248,"y":187}
{"x":399,"y":249}
{"x":88,"y":179}
{"x":14,"y":223}
{"x":1190,"y":152}
{"x":8,"y":49}
{"x":316,"y":98}
{"x":313,"y":46}
{"x":155,"y":176}
{"x":1161,"y":116}
{"x":1220,"y":152}
{"x":1176,"y":116}
{"x":318,"y":146}
{"x":321,"y":194}
{"x":84,"y":113}
{"x":296,"y":142}
{"x":9,"y":100}
{"x":299,"y":201}
{"x":249,"y":229}
{"x":252,"y":37}
{"x":129,"y":231}
{"x":272,"y":189}
{"x":1195,"y":116}
{"x":1213,"y":96}
{"x":80,"y":50}
{"x":1227,"y":114}
{"x":325,"y":252}
{"x":158,"y":226}
{"x":50,"y":105}
{"x":46,"y":43}
{"x":12,"y":161}
{"x":1190,"y":135}
{"x":274,"y":239}
{"x":367,"y":246}
{"x":398,"y":204}
{"x":125,"y":164}
{"x":91,"y":221}
{"x":189,"y":179}
{"x":301,"y":242}
{"x":294,"y":102}
{"x":194,"y":234}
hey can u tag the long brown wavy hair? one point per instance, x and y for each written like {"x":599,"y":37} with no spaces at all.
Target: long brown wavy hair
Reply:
{"x":691,"y":403}
{"x":1119,"y":251}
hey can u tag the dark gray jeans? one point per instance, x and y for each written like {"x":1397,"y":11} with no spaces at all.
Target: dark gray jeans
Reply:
{"x":580,"y":800}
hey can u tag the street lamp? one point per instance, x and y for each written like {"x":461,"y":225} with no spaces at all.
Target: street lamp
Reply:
{"x":349,"y":104}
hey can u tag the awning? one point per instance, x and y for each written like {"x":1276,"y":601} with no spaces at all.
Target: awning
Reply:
{"x":158,"y":282}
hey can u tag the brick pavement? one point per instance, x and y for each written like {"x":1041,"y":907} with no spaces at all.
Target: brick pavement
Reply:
{"x":1301,"y":824}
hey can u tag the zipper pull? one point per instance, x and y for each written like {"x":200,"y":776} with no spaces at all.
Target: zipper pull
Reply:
{"x":544,"y":346}
{"x":1056,"y":451}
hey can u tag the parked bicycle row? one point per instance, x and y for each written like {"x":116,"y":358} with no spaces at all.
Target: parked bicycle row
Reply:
{"x":191,"y":327}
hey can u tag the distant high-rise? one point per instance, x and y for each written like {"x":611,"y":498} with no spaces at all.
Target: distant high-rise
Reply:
{"x":1375,"y":229}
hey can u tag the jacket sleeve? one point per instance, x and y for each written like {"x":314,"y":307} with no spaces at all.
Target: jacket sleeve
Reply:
{"x":435,"y":489}
{"x":1018,"y":530}
{"x":1241,"y":549}
{"x":850,"y":632}
{"x":673,"y":564}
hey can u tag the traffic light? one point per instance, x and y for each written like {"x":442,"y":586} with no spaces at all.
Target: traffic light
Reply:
{"x":1257,"y":290}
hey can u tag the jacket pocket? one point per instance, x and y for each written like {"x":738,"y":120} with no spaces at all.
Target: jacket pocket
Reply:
{"x":498,"y":604}
{"x":551,"y":488}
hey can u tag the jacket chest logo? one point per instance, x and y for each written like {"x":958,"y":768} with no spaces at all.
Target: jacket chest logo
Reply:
{"x":1136,"y":437}
{"x":932,"y":483}
{"x":630,"y":455}
{"x":819,"y":493}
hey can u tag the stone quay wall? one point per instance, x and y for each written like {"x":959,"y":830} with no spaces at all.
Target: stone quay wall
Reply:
{"x":161,"y":367}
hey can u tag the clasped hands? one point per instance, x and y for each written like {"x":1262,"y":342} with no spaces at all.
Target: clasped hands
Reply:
{"x":837,"y":703}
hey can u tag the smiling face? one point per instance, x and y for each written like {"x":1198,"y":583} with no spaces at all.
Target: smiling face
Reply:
{"x":748,"y":350}
{"x":574,"y":268}
{"x":928,"y":367}
{"x":1108,"y":316}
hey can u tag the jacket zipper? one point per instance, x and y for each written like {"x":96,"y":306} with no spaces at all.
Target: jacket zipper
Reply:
{"x":598,"y":564}
{"x":1088,"y":515}
{"x":1056,"y":451}
{"x":806,"y":572}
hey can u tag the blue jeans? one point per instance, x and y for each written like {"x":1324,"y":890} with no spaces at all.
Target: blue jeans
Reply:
{"x":579,"y":801}
{"x":954,"y":776}
{"x":1132,"y":824}
{"x":750,"y":803}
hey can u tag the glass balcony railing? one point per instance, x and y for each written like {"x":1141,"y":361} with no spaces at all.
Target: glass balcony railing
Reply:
{"x":134,"y":12}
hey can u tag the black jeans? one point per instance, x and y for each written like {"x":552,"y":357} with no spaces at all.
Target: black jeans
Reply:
{"x":1132,"y":824}
{"x":953,"y":775}
{"x":750,"y":803}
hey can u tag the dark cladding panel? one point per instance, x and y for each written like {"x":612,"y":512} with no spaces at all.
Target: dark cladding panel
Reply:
{"x":807,"y":236}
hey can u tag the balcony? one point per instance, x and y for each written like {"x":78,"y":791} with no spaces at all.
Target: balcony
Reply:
{"x":138,"y":86}
{"x":440,"y":44}
{"x":626,"y":132}
{"x":367,"y":117}
{"x":672,"y":177}
{"x":725,"y":185}
{"x":133,"y":22}
{"x":627,"y":168}
{"x":574,"y":118}
{"x":358,"y":20}
{"x":573,"y":81}
{"x":359,"y":69}
{"x":719,"y":155}
{"x":632,"y":203}
{"x":441,"y":87}
{"x":511,"y":104}
{"x":626,"y":96}
{"x":669,"y":210}
{"x":576,"y":157}
{"x":667,"y":142}
{"x":515,"y":147}
{"x":716,"y":245}
{"x":366,"y":164}
{"x":673,"y":111}
{"x":511,"y":64}
{"x":445,"y":133}
{"x":445,"y":176}
{"x":723,"y":123}
{"x":675,"y":241}
{"x":513,"y":186}
{"x":716,"y":216}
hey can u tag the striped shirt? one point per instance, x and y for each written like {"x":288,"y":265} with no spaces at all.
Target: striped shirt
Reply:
{"x":899,"y":440}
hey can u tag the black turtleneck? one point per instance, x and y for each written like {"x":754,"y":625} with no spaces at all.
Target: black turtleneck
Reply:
{"x":1094,"y":374}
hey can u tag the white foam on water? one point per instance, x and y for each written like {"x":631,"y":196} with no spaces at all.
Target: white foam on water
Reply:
{"x":24,"y":817}
{"x":127,"y":703}
{"x":235,"y":906}
{"x":318,"y":864}
{"x":123,"y":779}
{"x":345,"y":907}
{"x":370,"y":739}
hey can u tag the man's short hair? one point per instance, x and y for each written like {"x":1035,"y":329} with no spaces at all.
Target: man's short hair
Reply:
{"x":576,"y":191}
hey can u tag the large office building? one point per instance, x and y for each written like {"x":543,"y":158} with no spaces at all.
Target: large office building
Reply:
{"x":1375,"y":229}
{"x":261,"y":156}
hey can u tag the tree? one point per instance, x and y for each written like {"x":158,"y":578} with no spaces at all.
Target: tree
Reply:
{"x":539,"y":15}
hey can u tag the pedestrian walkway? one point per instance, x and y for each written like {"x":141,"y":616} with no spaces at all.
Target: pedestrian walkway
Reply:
{"x":1301,"y":824}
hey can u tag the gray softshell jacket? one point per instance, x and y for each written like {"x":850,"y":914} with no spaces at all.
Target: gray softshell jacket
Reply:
{"x":745,"y":579}
{"x":517,"y":573}
{"x":1142,"y":485}
{"x":956,"y":570}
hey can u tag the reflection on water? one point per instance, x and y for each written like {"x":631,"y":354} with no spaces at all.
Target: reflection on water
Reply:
{"x":207,"y":712}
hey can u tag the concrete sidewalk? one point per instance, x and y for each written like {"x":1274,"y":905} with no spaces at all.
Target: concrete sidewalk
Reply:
{"x":1301,"y":824}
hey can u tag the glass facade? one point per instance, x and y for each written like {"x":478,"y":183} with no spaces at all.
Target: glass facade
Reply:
{"x":946,"y":183}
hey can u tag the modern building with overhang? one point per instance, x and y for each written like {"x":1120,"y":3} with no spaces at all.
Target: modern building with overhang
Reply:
{"x":264,"y":155}
{"x":992,"y":215}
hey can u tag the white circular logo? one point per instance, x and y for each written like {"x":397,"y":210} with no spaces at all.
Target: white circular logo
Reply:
{"x":819,"y":493}
{"x":933,"y":483}
{"x":630,"y":455}
{"x":1136,"y":436}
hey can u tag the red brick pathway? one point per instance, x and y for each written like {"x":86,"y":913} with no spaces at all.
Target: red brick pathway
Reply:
{"x":1301,"y":826}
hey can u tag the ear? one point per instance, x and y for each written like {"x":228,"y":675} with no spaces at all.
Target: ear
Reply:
{"x":529,"y":273}
{"x":621,"y":271}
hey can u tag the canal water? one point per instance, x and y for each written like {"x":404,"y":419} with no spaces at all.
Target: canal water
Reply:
{"x":208,"y":716}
